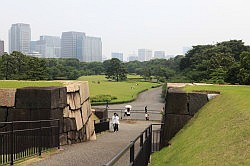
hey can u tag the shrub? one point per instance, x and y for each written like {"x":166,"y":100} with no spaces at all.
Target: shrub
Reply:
{"x":102,"y":98}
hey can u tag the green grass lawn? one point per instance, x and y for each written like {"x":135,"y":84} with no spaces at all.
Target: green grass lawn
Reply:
{"x":124,"y":91}
{"x":20,"y":84}
{"x":219,"y":134}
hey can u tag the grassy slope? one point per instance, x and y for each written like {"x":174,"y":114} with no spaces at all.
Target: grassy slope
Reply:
{"x":20,"y":84}
{"x":219,"y":134}
{"x":122,"y":90}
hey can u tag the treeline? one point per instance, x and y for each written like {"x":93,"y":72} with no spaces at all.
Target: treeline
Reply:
{"x":225,"y":62}
{"x":17,"y":66}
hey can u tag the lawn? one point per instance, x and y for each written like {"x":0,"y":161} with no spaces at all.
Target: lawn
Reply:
{"x":20,"y":84}
{"x":124,"y":91}
{"x":219,"y":134}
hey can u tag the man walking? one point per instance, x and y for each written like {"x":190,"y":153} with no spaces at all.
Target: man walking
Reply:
{"x":115,"y":122}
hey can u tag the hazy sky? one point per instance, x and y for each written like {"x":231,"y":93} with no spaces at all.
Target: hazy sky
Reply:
{"x":126,"y":25}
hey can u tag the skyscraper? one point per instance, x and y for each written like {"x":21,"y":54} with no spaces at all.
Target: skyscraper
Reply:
{"x":159,"y":55}
{"x":1,"y":47}
{"x":117,"y":55}
{"x":72,"y":45}
{"x":49,"y":46}
{"x":144,"y":55}
{"x":19,"y":38}
{"x":93,"y":49}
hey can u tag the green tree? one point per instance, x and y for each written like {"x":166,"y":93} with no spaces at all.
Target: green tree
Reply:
{"x":115,"y":69}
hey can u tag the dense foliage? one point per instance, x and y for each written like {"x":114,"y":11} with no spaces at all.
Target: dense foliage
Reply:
{"x":225,"y":62}
{"x":115,"y":69}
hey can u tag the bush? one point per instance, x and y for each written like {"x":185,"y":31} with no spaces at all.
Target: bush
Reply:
{"x":102,"y":98}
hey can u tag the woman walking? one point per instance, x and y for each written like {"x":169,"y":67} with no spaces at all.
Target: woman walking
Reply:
{"x":115,"y":122}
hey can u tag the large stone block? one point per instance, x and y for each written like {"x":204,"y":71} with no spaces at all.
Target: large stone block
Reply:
{"x":63,"y":139}
{"x":7,"y":97}
{"x":84,"y":91}
{"x":196,"y":101}
{"x":3,"y":114}
{"x":74,"y":101}
{"x":173,"y":124}
{"x":76,"y":114}
{"x":177,"y":103}
{"x":84,"y":113}
{"x":41,"y":97}
{"x":69,"y":124}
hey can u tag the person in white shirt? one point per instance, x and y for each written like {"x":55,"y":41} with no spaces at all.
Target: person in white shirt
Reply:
{"x":115,"y":122}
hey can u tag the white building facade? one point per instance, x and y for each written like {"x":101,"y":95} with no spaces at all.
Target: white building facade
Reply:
{"x":19,"y":38}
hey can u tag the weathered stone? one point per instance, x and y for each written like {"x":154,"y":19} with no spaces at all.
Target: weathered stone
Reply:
{"x":177,"y":103}
{"x":84,"y":91}
{"x":66,"y":112}
{"x":84,"y":113}
{"x":196,"y":101}
{"x":41,"y":97}
{"x":173,"y":124}
{"x":71,"y":86}
{"x":74,"y":100}
{"x":3,"y":114}
{"x":63,"y":139}
{"x":78,"y":117}
{"x":7,"y":97}
{"x":71,"y":135}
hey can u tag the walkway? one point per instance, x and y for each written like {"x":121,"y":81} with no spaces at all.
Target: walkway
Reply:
{"x":99,"y":152}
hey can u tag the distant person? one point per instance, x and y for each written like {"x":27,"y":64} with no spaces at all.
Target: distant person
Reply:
{"x":115,"y":122}
{"x":147,"y":116}
{"x":127,"y":112}
{"x":146,"y":109}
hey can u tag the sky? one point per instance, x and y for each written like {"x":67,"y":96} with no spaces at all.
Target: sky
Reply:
{"x":127,"y":25}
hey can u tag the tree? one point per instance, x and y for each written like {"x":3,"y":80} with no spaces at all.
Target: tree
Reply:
{"x":115,"y":69}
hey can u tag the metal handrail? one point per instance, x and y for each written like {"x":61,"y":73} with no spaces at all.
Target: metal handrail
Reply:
{"x":119,"y":155}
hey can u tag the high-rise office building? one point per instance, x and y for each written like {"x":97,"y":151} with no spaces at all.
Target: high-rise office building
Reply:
{"x":159,"y":55}
{"x":144,"y":54}
{"x":72,"y":45}
{"x":117,"y":55}
{"x":48,"y":46}
{"x":19,"y":38}
{"x":93,"y":49}
{"x":1,"y":47}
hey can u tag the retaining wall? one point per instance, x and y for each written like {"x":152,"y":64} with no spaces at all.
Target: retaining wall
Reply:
{"x":70,"y":104}
{"x":179,"y":109}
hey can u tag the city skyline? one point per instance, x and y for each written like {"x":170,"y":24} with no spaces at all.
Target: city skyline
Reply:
{"x":126,"y":26}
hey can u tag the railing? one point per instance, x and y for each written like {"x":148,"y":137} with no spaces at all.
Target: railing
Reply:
{"x":101,"y":125}
{"x":147,"y":145}
{"x":21,"y":139}
{"x":137,"y":114}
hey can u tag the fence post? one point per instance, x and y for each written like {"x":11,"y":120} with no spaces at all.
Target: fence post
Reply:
{"x":40,"y":139}
{"x":11,"y":145}
{"x":141,"y":140}
{"x":132,"y":152}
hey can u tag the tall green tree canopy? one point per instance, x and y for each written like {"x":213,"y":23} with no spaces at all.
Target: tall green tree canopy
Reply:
{"x":115,"y":69}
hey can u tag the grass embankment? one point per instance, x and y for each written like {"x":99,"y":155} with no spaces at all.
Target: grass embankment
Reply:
{"x":20,"y":84}
{"x":124,"y":91}
{"x":219,"y":134}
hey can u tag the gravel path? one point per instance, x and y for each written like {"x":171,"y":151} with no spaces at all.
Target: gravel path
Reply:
{"x":108,"y":144}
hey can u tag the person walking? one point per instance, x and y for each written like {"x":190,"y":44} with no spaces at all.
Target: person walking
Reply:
{"x":115,"y":122}
{"x":146,"y":109}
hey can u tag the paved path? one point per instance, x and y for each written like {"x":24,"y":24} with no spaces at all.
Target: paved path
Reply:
{"x":151,"y":98}
{"x":99,"y":152}
{"x":108,"y":144}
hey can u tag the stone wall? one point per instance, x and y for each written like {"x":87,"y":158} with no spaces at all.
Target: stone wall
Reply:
{"x":70,"y":104}
{"x":77,"y":115}
{"x":180,"y":108}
